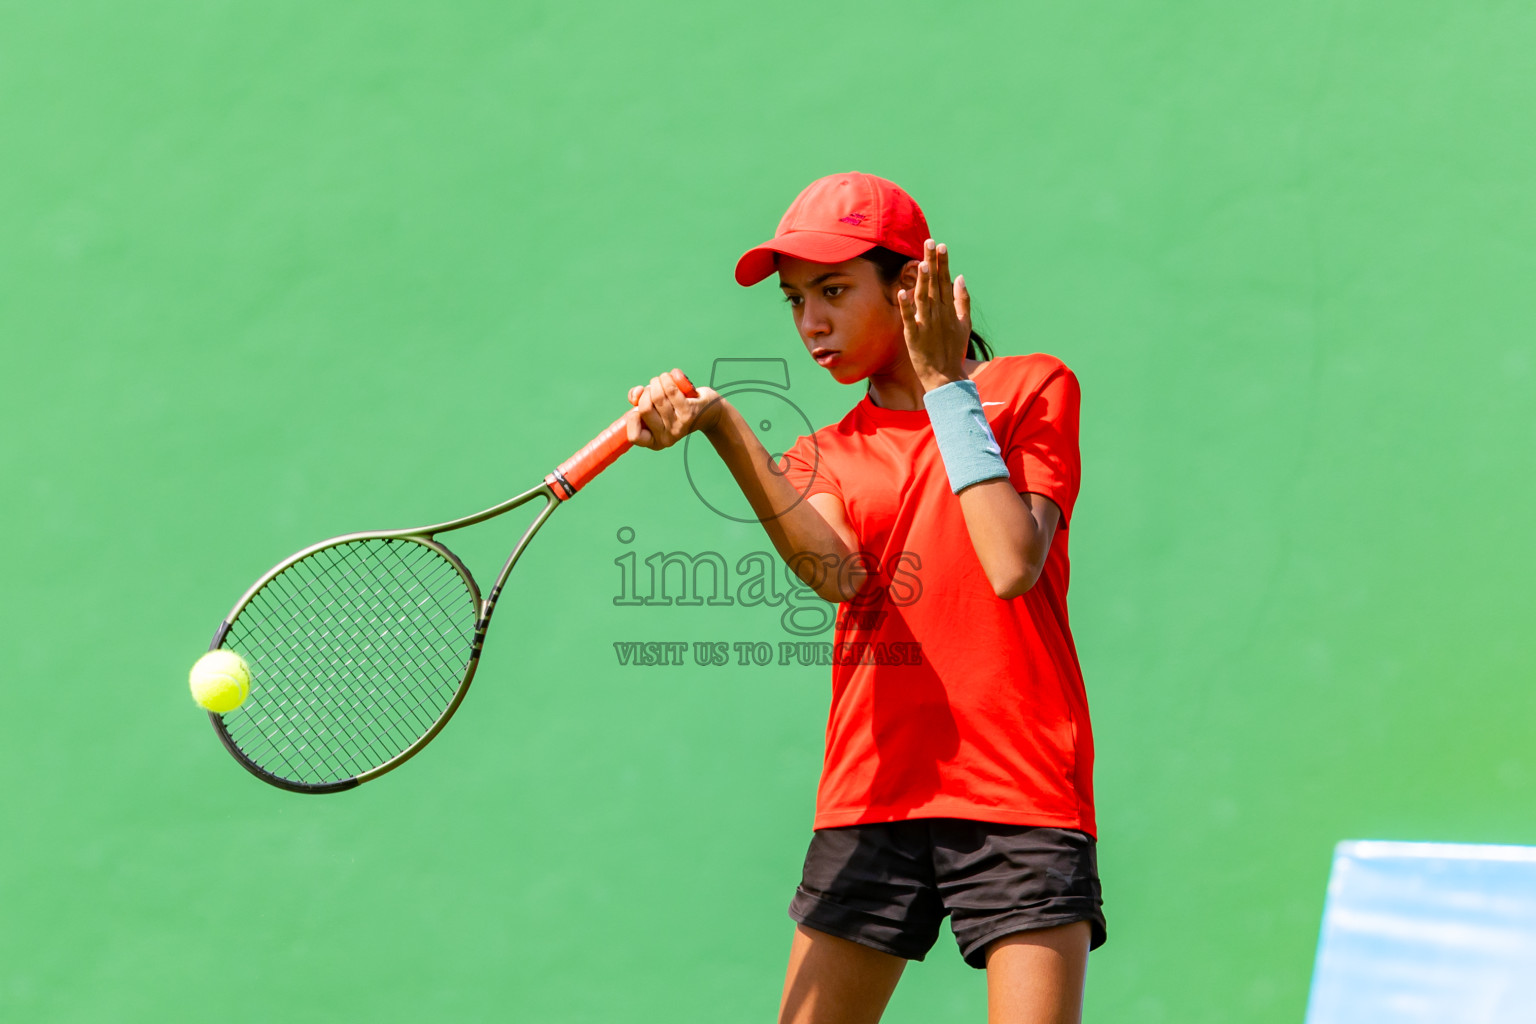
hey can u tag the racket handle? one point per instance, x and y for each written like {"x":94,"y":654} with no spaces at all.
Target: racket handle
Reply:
{"x":599,"y":453}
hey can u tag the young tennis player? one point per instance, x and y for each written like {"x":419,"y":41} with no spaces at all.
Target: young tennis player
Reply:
{"x":958,"y":771}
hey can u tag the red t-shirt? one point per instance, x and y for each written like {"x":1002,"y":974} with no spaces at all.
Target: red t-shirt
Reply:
{"x":947,"y":701}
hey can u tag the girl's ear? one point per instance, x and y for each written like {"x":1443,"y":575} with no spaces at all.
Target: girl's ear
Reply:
{"x":908,"y":277}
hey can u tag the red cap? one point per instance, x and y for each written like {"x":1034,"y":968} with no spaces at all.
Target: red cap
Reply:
{"x":835,"y":219}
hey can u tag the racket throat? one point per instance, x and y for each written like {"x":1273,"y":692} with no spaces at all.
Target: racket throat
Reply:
{"x":483,"y":623}
{"x":560,"y":486}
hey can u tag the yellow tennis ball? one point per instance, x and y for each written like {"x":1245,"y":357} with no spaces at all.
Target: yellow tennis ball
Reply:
{"x":221,"y":681}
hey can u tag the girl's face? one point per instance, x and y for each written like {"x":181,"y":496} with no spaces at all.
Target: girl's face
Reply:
{"x":846,"y":315}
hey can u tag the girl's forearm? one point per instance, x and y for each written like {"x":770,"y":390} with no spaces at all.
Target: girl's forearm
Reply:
{"x":802,"y":537}
{"x":1010,"y":542}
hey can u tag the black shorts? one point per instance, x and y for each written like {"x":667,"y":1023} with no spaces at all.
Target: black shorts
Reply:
{"x":889,"y":885}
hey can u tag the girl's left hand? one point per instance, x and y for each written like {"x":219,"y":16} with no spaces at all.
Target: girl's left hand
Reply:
{"x":936,"y":317}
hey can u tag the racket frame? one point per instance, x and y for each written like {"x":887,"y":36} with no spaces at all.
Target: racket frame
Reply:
{"x":483,"y":607}
{"x":558,"y":487}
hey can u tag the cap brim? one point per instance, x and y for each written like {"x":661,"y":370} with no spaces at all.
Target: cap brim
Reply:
{"x":815,"y":246}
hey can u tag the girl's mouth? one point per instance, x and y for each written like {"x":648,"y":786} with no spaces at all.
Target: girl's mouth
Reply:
{"x":825,"y":356}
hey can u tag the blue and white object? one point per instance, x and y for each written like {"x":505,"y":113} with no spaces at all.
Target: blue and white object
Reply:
{"x":960,"y":426}
{"x":1427,"y":933}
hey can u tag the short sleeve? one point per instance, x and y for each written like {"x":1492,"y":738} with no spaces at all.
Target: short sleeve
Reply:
{"x":805,"y":467}
{"x":1041,"y":449}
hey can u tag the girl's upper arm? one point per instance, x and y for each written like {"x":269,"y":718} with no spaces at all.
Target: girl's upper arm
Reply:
{"x":1047,"y":516}
{"x":1046,"y":513}
{"x":833,"y":580}
{"x":831,"y":508}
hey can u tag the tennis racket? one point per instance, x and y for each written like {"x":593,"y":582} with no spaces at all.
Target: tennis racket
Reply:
{"x":362,"y":647}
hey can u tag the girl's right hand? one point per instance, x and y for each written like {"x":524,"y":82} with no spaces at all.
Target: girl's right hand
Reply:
{"x":663,"y":415}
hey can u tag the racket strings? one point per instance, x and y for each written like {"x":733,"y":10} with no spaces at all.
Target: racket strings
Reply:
{"x":293,"y":705}
{"x":318,"y":705}
{"x":388,"y":723}
{"x":400,"y":723}
{"x":307,"y":728}
{"x":315,"y":708}
{"x":355,"y":652}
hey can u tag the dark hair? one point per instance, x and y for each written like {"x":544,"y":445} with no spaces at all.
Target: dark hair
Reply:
{"x":890,"y":264}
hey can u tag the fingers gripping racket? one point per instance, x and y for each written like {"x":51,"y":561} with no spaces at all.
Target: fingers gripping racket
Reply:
{"x":362,"y":647}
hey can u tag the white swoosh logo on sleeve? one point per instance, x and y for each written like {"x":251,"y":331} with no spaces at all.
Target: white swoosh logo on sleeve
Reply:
{"x":993,"y":403}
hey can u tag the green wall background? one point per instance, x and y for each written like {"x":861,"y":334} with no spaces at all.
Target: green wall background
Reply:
{"x":274,"y":272}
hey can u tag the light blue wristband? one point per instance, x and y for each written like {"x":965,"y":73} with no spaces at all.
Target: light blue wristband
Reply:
{"x":965,"y":439}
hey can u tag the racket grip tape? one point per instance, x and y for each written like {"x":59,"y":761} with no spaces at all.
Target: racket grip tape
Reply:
{"x":601,"y":452}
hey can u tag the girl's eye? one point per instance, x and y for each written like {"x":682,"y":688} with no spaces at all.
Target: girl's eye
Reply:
{"x":793,"y":300}
{"x":832,"y":291}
